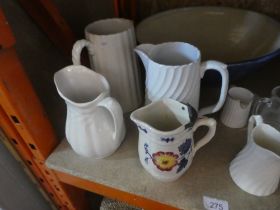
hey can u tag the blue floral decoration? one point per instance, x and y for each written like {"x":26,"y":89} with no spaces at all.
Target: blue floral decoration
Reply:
{"x":142,"y":129}
{"x":184,"y":148}
{"x":182,"y":164}
{"x":167,"y":139}
{"x":192,"y":116}
{"x":146,"y":160}
{"x":146,"y":147}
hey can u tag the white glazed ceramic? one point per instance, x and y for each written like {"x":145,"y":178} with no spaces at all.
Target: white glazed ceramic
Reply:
{"x":110,"y":43}
{"x":174,"y":70}
{"x":230,"y":35}
{"x":166,"y":146}
{"x":237,"y":107}
{"x":256,"y":169}
{"x":94,"y":124}
{"x":269,"y":108}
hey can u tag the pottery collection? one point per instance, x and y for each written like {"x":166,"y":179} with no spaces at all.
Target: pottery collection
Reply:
{"x":96,"y":99}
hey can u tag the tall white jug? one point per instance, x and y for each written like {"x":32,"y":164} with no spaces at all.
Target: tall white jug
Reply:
{"x":110,"y":43}
{"x":94,"y":123}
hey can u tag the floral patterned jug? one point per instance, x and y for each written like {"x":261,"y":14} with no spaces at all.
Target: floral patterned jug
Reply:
{"x":166,"y":147}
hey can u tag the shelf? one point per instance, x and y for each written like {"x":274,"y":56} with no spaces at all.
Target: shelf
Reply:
{"x":207,"y":176}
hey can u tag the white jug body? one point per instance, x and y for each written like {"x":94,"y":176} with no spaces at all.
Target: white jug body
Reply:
{"x":94,"y":123}
{"x":174,"y":70}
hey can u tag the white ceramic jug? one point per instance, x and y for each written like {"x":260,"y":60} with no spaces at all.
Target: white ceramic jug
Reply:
{"x":256,"y":169}
{"x":110,"y":43}
{"x":173,"y":70}
{"x":94,"y":124}
{"x":237,"y":107}
{"x":166,"y":146}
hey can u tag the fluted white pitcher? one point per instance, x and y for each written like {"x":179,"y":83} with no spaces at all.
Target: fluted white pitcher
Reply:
{"x":94,"y":123}
{"x":174,"y":70}
{"x":256,"y":168}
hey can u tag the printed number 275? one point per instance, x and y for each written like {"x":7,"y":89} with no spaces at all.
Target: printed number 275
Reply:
{"x":216,"y":206}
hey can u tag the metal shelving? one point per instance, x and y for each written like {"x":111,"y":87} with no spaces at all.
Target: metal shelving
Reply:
{"x":26,"y":125}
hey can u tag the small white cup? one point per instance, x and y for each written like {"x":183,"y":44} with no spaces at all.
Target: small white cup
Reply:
{"x":237,"y":107}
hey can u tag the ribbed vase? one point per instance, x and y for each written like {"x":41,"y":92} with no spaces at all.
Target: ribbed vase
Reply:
{"x":110,"y":43}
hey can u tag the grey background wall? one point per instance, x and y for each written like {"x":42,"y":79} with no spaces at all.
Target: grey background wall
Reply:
{"x":40,"y":57}
{"x":79,"y":13}
{"x":17,"y":192}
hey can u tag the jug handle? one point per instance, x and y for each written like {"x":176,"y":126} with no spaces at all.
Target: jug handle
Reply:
{"x":116,"y":112}
{"x":77,"y":49}
{"x":209,"y":122}
{"x":222,"y":69}
{"x":254,"y":121}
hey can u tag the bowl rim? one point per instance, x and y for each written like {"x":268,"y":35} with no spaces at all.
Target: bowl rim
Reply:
{"x":262,"y":58}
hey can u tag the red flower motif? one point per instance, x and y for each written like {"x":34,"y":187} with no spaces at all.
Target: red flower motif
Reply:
{"x":165,"y":161}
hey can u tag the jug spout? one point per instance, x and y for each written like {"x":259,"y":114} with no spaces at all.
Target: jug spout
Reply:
{"x":135,"y":118}
{"x":143,"y":51}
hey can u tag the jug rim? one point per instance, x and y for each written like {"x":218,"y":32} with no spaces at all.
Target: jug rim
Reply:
{"x":196,"y":59}
{"x":129,"y":25}
{"x":192,"y":114}
{"x":260,"y":127}
{"x":90,"y":71}
{"x":247,"y":95}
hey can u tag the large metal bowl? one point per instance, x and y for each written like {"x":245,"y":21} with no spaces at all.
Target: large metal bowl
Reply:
{"x":245,"y":40}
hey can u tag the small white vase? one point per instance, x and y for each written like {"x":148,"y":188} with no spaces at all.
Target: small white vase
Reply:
{"x":94,"y":124}
{"x":256,"y":169}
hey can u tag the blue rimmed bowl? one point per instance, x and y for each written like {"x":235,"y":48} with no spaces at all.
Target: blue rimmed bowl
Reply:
{"x":245,"y":40}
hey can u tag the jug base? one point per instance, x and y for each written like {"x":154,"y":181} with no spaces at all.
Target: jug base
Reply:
{"x":121,"y":139}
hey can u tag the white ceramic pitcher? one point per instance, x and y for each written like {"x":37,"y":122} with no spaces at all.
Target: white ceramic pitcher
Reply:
{"x":256,"y":169}
{"x":166,"y":146}
{"x":237,"y":107}
{"x":110,"y":43}
{"x":94,"y":124}
{"x":173,"y":70}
